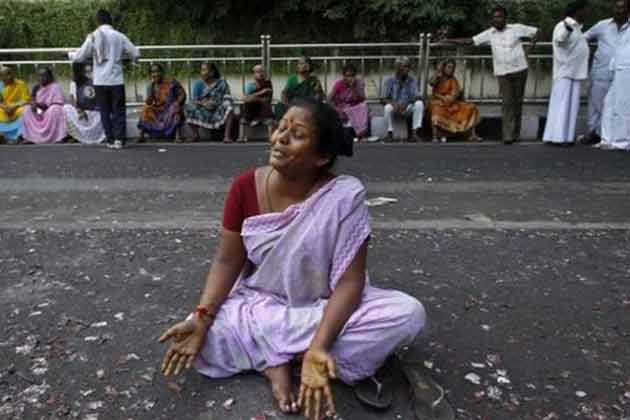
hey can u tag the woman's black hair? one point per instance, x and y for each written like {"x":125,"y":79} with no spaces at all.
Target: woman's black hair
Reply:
{"x":158,"y":65}
{"x":349,"y":68}
{"x":214,"y":70}
{"x":446,"y":63}
{"x":49,"y":72}
{"x":332,"y":139}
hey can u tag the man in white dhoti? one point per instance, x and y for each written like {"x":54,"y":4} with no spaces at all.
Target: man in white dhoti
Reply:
{"x":570,"y":68}
{"x":607,"y":33}
{"x":616,"y":117}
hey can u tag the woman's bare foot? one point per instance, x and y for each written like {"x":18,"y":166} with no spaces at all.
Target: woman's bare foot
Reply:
{"x":280,"y":378}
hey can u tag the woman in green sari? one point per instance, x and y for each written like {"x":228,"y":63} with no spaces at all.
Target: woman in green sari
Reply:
{"x":301,"y":85}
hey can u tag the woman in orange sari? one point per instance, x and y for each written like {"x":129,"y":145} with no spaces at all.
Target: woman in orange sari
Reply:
{"x":448,"y":113}
{"x":162,"y":116}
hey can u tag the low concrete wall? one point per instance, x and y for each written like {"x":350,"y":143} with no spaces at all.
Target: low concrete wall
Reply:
{"x":534,"y":118}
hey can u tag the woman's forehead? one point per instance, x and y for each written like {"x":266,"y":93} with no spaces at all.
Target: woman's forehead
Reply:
{"x":298,"y":116}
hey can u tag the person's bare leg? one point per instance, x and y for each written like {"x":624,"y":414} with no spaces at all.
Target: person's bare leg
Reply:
{"x":229,"y":123}
{"x":178,"y":135}
{"x":473,"y":135}
{"x":195,"y":131}
{"x":241,"y":132}
{"x":280,"y":378}
{"x":434,"y":130}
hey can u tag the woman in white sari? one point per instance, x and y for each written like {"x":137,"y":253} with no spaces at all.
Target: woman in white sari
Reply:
{"x":82,"y":118}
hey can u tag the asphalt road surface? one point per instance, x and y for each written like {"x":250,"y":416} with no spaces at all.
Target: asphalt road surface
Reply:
{"x":521,"y":255}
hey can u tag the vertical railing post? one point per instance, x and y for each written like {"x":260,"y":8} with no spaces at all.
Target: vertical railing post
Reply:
{"x":421,"y":64}
{"x":265,"y":45}
{"x":427,"y":55}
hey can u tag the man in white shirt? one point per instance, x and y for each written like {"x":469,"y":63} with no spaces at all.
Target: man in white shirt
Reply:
{"x":570,"y":69}
{"x":510,"y":65}
{"x":107,"y":48}
{"x":616,"y":116}
{"x":607,"y":33}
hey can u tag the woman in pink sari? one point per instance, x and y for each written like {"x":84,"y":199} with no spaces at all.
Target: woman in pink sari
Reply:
{"x":289,"y":277}
{"x":44,"y":121}
{"x":348,"y":96}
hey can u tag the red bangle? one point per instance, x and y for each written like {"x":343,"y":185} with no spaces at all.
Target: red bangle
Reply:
{"x":202,"y":311}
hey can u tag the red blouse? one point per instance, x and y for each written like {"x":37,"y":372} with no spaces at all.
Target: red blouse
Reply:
{"x":241,"y":201}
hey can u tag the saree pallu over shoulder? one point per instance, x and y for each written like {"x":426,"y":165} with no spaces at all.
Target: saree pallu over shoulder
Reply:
{"x":315,"y":240}
{"x":456,"y":117}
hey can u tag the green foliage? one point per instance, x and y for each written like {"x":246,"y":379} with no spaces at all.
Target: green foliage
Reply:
{"x":64,"y":23}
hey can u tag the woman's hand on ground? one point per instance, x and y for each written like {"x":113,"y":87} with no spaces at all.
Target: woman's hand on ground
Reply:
{"x":188,"y":338}
{"x":318,"y":367}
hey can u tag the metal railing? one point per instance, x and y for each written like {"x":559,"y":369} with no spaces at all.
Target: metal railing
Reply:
{"x":374,"y":61}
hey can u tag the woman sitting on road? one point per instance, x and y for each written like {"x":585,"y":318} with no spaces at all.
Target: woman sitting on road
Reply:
{"x":448,"y":112}
{"x":82,"y":119}
{"x":44,"y":121}
{"x":162,"y":116}
{"x":348,"y":96}
{"x":211,"y":105}
{"x":289,"y":277}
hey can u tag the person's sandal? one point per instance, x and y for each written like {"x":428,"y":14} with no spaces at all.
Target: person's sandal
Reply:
{"x":428,"y":397}
{"x":372,"y":393}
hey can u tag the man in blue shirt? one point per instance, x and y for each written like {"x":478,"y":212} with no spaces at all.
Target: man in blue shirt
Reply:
{"x":401,"y":99}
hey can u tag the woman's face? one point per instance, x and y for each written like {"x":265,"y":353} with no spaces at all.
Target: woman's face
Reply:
{"x":156,"y":74}
{"x":349,"y":77}
{"x":44,"y":77}
{"x":294,"y":144}
{"x":449,"y":69}
{"x":205,"y":71}
{"x":303,"y":66}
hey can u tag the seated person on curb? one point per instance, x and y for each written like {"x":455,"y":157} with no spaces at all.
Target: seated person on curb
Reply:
{"x":13,"y":100}
{"x":401,"y":99}
{"x":348,"y":96}
{"x":448,"y":112}
{"x":82,"y":118}
{"x":257,"y":103}
{"x":162,"y":116}
{"x":294,"y":242}
{"x":45,"y":121}
{"x":301,"y":85}
{"x":211,"y":104}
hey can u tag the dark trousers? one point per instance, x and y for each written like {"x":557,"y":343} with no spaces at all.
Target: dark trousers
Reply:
{"x":113,"y":109}
{"x":512,"y":87}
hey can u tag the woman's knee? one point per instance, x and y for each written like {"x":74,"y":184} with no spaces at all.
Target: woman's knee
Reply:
{"x":414,"y":314}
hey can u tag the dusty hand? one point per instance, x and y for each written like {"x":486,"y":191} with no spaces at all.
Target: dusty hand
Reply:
{"x":318,"y":367}
{"x":188,"y":338}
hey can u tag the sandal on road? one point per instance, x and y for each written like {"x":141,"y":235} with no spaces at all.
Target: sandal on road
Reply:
{"x":428,"y":397}
{"x":373,"y":393}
